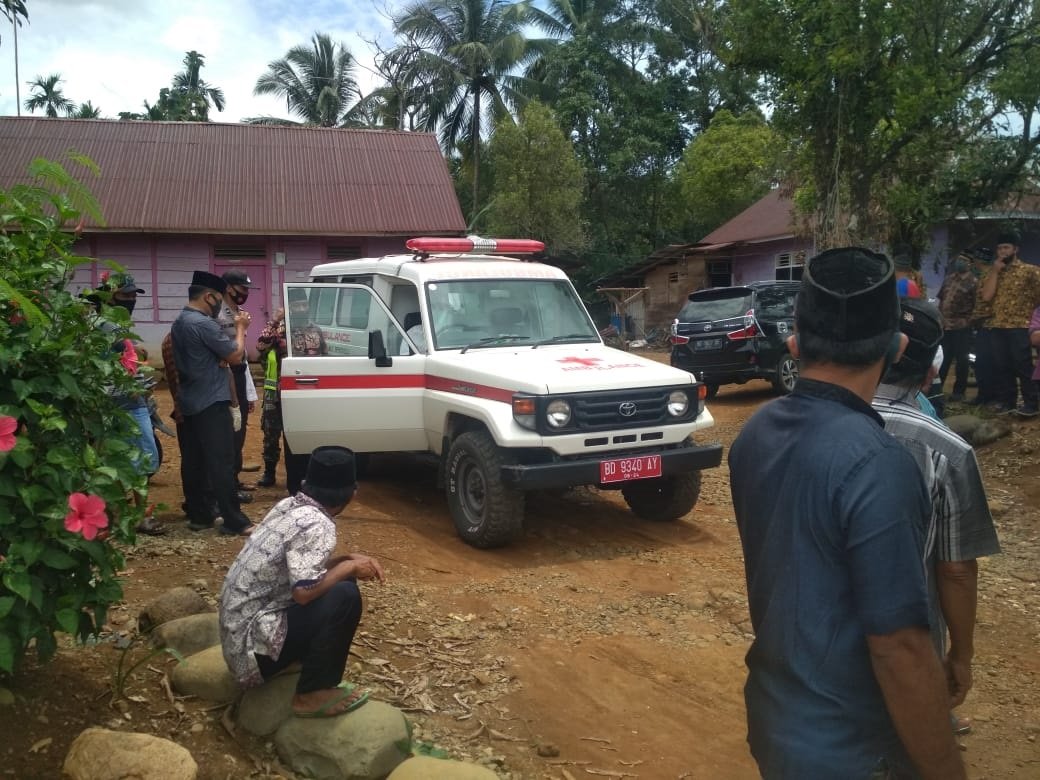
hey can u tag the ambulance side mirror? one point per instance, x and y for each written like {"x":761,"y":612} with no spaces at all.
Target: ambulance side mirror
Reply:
{"x":377,"y":350}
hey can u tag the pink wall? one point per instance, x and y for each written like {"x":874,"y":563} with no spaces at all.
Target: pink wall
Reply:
{"x":162,"y":266}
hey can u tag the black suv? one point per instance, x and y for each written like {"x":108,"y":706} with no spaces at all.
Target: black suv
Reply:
{"x":728,"y":335}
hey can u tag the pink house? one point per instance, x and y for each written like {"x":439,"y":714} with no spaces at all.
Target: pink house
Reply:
{"x":183,"y":196}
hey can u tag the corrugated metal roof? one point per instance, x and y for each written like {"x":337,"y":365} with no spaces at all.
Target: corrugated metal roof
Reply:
{"x":202,"y":177}
{"x":765,"y":219}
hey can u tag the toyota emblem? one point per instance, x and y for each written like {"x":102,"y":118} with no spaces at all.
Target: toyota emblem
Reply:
{"x":626,"y":409}
{"x":707,"y":327}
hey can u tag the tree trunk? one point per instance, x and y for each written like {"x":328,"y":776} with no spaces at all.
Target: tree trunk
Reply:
{"x":475,"y":150}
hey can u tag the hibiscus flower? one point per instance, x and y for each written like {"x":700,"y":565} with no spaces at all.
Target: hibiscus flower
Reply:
{"x":8,"y":425}
{"x":87,"y":515}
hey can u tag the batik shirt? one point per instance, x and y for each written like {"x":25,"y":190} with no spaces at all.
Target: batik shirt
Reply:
{"x":288,"y":550}
{"x":957,"y":299}
{"x":1018,"y":293}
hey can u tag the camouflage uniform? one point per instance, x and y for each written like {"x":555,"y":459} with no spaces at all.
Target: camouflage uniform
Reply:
{"x":956,"y":303}
{"x":271,"y":342}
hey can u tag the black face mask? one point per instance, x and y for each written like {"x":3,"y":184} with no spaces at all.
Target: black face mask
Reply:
{"x":238,"y":298}
{"x":128,"y":305}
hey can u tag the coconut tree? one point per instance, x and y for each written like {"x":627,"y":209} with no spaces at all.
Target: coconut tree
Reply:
{"x":46,"y":93}
{"x":86,"y":111}
{"x":316,"y":81}
{"x":195,"y":94}
{"x":471,"y":51}
{"x":12,"y":10}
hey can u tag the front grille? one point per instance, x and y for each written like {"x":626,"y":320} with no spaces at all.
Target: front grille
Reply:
{"x":602,"y":411}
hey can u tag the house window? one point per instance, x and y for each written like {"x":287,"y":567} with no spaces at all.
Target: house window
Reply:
{"x":720,"y":273}
{"x":343,"y":252}
{"x":673,"y":277}
{"x":789,"y":266}
{"x":233,"y":252}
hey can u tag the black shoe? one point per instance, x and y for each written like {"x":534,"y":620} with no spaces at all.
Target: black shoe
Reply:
{"x":1027,"y":411}
{"x":956,"y":398}
{"x":227,"y":530}
{"x":200,"y":525}
{"x":267,"y":480}
{"x":244,"y":498}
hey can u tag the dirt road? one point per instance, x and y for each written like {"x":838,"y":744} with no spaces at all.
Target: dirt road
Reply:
{"x":598,"y":645}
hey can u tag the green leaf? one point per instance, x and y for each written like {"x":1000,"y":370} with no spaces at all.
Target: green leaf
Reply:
{"x":6,"y":653}
{"x":18,"y":582}
{"x":6,"y":602}
{"x":68,"y":619}
{"x":26,"y":550}
{"x":57,"y":558}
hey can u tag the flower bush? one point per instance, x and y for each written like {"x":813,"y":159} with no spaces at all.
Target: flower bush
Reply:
{"x":65,"y":470}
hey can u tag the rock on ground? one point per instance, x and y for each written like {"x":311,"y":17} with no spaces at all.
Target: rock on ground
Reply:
{"x":366,"y":744}
{"x":174,"y":603}
{"x":100,"y":754}
{"x":188,"y":635}
{"x":989,"y":431}
{"x":262,"y":710}
{"x":427,"y":768}
{"x":206,"y":675}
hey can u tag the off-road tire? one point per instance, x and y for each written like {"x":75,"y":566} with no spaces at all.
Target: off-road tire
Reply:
{"x":665,"y":498}
{"x":486,"y":512}
{"x":786,"y":374}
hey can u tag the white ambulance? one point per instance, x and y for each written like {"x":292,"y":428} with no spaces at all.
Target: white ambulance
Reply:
{"x":492,"y":364}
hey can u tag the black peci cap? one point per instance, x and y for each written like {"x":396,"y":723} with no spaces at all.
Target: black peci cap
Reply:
{"x":209,"y":281}
{"x":921,"y":322}
{"x":848,"y":294}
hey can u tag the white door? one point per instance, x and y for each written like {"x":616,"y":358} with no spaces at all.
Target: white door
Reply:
{"x":332,"y":391}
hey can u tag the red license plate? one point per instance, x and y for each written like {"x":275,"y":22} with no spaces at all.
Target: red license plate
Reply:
{"x":624,"y":469}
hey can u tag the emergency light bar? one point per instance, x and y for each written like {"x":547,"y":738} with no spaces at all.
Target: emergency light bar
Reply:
{"x":476,"y":245}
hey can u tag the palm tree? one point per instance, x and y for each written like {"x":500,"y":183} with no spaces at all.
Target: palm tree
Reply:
{"x":86,"y":111}
{"x":471,"y":50}
{"x":197,"y":96}
{"x":46,"y":94}
{"x":11,"y":10}
{"x":317,"y":83}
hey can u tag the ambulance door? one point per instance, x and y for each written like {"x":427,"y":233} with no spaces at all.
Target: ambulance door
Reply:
{"x":332,"y":392}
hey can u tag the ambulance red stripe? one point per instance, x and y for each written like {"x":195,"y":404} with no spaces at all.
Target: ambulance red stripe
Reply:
{"x":398,"y":381}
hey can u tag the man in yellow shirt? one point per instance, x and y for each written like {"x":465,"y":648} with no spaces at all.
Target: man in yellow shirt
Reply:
{"x":1013,"y":288}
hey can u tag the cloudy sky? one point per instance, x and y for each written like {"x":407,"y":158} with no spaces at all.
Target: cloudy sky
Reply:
{"x":119,"y":53}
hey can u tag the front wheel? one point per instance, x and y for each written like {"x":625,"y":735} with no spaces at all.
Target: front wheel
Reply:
{"x":485,"y":511}
{"x":665,"y":498}
{"x":786,"y":374}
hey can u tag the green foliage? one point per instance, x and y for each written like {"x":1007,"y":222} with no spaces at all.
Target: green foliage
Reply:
{"x":130,"y":661}
{"x":538,"y":182}
{"x":904,"y":113}
{"x":725,"y":169}
{"x":56,"y":370}
{"x":316,"y":82}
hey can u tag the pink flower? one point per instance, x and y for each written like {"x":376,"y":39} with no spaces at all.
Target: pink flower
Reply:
{"x":8,"y":425}
{"x":87,"y":515}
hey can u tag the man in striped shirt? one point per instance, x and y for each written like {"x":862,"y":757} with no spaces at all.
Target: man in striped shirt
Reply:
{"x":961,"y":528}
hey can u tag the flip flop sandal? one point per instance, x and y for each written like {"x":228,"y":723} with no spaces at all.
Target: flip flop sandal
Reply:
{"x":328,"y":709}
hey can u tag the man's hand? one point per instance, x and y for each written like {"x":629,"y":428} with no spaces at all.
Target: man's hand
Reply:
{"x":242,"y":319}
{"x":958,"y":677}
{"x":251,"y":406}
{"x":366,"y":568}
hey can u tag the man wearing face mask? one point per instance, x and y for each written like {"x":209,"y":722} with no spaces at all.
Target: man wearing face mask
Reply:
{"x":305,"y":340}
{"x":956,"y":303}
{"x":201,"y":349}
{"x":238,"y":286}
